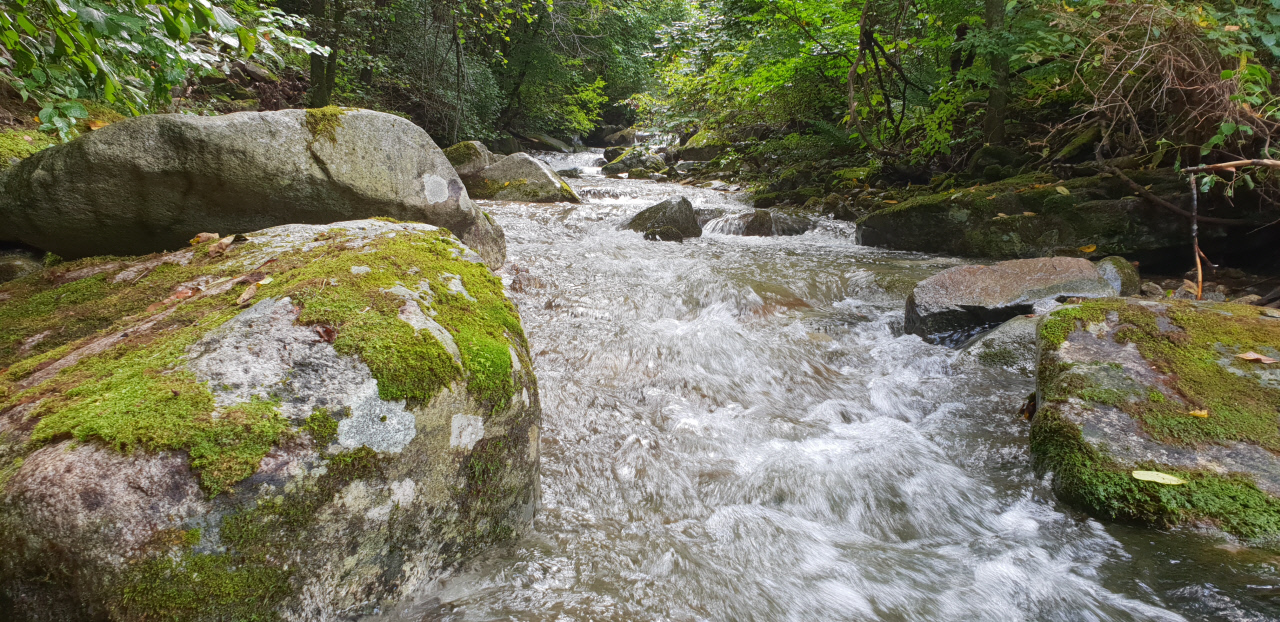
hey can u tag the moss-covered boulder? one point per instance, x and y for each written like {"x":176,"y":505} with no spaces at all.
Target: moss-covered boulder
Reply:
{"x":1121,"y":274}
{"x":703,"y":146}
{"x":150,"y":183}
{"x":1011,"y":346}
{"x":547,"y":143}
{"x":521,"y":177}
{"x":631,"y":159}
{"x":470,"y":157}
{"x":298,"y":426}
{"x":1037,"y":215}
{"x":1176,"y":388}
{"x":676,"y":213}
{"x":957,"y":303}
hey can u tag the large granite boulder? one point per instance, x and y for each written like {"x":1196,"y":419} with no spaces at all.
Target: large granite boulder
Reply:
{"x":150,"y":183}
{"x":1122,"y":275}
{"x":470,"y":157}
{"x":1131,"y":391}
{"x":303,"y":425}
{"x":959,"y":302}
{"x":676,"y":213}
{"x":521,"y":177}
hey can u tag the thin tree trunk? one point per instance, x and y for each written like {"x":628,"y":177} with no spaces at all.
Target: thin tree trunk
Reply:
{"x":319,"y":96}
{"x":998,"y":99}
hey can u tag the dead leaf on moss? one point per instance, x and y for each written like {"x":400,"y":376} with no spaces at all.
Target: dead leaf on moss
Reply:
{"x":221,"y":246}
{"x":248,"y":294}
{"x":991,"y":197}
{"x":1088,"y":248}
{"x":890,"y":201}
{"x":326,"y":332}
{"x":1257,"y":358}
{"x":1062,"y":190}
{"x":1203,"y":414}
{"x":1028,"y":213}
{"x":201,"y":238}
{"x":97,"y":125}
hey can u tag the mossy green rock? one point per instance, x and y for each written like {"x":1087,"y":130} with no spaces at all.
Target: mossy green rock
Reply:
{"x":151,"y":183}
{"x":704,"y":145}
{"x":1126,"y":384}
{"x":1121,"y":274}
{"x":470,"y":157}
{"x":1034,"y":215}
{"x":16,"y":146}
{"x":521,"y":177}
{"x":305,"y":425}
{"x":631,"y":159}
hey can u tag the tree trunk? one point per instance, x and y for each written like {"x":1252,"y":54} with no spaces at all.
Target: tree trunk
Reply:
{"x":324,"y":70}
{"x":998,"y":99}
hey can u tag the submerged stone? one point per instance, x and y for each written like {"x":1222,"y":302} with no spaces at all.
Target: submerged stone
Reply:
{"x":306,"y":425}
{"x":151,"y":183}
{"x":1128,"y":384}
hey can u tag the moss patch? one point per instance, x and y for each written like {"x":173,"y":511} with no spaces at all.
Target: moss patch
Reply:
{"x":324,"y":122}
{"x":20,"y":145}
{"x":1196,"y":349}
{"x":1093,"y":480}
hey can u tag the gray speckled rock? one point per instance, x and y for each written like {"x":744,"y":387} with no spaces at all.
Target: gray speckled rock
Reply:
{"x":16,"y":266}
{"x":470,"y":157}
{"x":153,"y":182}
{"x":521,"y":177}
{"x":306,"y":425}
{"x":952,"y":305}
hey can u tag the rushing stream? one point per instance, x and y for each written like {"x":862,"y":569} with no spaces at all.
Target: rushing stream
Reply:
{"x":734,"y":430}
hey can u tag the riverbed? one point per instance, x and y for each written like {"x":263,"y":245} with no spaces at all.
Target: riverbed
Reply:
{"x":736,"y":429}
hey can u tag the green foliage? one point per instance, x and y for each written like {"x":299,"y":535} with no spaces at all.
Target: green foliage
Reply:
{"x":126,"y":52}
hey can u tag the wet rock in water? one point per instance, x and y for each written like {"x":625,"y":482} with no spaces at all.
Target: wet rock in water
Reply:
{"x":1251,"y":299}
{"x":676,"y":212}
{"x":571,"y":173}
{"x":1011,"y":345}
{"x":306,"y":425}
{"x":664,"y":234}
{"x":954,"y":304}
{"x":622,"y":138}
{"x":631,"y":159}
{"x":707,"y":214}
{"x":470,"y":157}
{"x":1152,"y":289}
{"x":600,"y":162}
{"x":521,"y":177}
{"x":1174,"y":387}
{"x":16,"y":266}
{"x":771,"y":222}
{"x":1121,"y":274}
{"x":546,"y":142}
{"x":613,"y":153}
{"x":690,"y":166}
{"x":151,"y":183}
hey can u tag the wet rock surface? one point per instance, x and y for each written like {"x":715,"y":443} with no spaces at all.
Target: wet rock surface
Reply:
{"x":299,"y":426}
{"x":675,"y":213}
{"x":179,"y":175}
{"x":954,"y":304}
{"x":1171,"y":387}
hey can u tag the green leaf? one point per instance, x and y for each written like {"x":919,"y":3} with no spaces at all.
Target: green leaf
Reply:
{"x":25,"y":61}
{"x":1158,"y":477}
{"x":74,"y":109}
{"x":26,"y":24}
{"x":248,"y":40}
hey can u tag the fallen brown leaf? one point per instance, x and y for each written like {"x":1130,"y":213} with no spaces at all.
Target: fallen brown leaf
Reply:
{"x":221,"y":246}
{"x":97,"y":125}
{"x":201,"y":238}
{"x":1088,"y":248}
{"x":1255,"y":357}
{"x":249,"y":293}
{"x":1203,"y":414}
{"x":326,"y":332}
{"x":890,"y":201}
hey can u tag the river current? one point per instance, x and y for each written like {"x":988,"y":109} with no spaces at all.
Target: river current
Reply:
{"x":735,"y":429}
